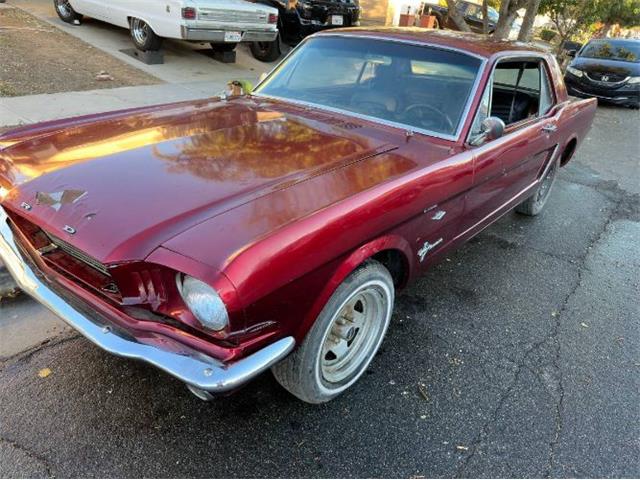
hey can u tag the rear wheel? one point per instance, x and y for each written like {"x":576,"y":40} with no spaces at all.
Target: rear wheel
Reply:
{"x":66,"y":12}
{"x":266,"y":51}
{"x":533,"y":205}
{"x":144,"y":38}
{"x":343,"y":340}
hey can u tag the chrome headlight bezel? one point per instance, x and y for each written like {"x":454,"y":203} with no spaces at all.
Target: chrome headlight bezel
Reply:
{"x":575,"y":72}
{"x":203,"y":302}
{"x":633,"y":80}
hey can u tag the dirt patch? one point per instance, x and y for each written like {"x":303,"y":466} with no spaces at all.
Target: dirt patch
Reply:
{"x":38,"y":58}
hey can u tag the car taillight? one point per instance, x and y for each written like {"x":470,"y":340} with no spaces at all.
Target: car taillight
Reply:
{"x":189,"y":13}
{"x":273,"y":18}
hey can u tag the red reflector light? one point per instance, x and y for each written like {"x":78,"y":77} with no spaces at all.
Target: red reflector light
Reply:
{"x":189,"y":13}
{"x":273,"y":18}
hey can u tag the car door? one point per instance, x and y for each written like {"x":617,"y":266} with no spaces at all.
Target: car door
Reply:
{"x":507,"y":167}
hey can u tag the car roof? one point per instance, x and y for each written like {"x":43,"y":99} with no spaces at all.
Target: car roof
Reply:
{"x":473,"y":43}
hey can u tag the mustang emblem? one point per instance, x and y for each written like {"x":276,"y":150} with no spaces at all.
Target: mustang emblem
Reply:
{"x":56,"y":199}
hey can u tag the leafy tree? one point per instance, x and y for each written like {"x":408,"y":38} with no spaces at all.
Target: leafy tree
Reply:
{"x":625,"y":13}
{"x":570,"y":16}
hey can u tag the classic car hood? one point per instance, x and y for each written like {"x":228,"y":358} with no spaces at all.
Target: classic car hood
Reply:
{"x":128,"y":183}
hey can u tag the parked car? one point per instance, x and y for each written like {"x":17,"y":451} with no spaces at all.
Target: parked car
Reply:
{"x":472,"y":13}
{"x":297,"y":19}
{"x":222,"y":23}
{"x":607,"y":69}
{"x":218,"y":238}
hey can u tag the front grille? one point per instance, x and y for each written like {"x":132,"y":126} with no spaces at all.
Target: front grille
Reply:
{"x":606,"y":78}
{"x":77,"y":254}
{"x":66,"y":259}
{"x":232,"y":16}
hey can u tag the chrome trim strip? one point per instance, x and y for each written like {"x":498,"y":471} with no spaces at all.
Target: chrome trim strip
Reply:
{"x":197,"y":370}
{"x":465,"y":112}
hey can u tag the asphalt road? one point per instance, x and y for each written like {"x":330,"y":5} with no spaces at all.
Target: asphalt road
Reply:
{"x":519,"y":356}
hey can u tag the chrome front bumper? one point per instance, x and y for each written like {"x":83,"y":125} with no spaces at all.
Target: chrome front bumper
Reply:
{"x":197,"y":370}
{"x":217,"y":35}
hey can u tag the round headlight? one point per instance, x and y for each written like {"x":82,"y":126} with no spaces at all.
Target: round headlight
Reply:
{"x":204,"y":302}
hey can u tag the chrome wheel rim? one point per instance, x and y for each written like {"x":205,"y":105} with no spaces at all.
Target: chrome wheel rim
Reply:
{"x":354,"y":334}
{"x":547,"y":182}
{"x":139,"y":30}
{"x":63,"y":7}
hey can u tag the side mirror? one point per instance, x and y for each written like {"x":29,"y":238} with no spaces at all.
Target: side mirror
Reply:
{"x":571,"y":53}
{"x":490,"y":129}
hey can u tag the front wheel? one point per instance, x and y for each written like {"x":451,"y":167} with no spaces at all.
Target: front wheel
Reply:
{"x":533,"y":205}
{"x":144,"y":38}
{"x":343,"y":340}
{"x":66,"y":12}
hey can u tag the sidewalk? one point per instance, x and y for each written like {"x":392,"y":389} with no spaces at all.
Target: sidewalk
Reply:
{"x":39,"y":108}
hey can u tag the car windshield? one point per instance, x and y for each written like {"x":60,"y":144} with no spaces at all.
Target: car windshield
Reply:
{"x":418,"y":86}
{"x":626,"y":51}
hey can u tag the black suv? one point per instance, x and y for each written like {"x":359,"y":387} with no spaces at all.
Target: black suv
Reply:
{"x":297,"y":19}
{"x":608,"y":69}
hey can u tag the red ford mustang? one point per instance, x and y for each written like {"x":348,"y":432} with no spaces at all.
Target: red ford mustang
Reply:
{"x":216,"y":239}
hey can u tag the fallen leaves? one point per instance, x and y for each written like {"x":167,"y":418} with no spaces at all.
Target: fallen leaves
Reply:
{"x":44,"y":373}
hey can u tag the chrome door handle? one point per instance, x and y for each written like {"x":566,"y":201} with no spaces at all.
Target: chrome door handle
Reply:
{"x":549,"y":128}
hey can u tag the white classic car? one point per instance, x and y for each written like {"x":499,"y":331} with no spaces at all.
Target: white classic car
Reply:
{"x":223,"y":23}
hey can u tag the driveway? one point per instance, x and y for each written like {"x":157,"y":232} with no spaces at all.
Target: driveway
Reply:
{"x":518,"y":356}
{"x":183,"y":61}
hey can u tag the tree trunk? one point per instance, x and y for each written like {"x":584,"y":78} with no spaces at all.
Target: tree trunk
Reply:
{"x":524,"y":35}
{"x":454,"y":14}
{"x":485,"y":17}
{"x":507,"y":15}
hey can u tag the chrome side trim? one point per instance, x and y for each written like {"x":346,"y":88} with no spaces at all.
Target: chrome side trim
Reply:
{"x":197,"y":370}
{"x":465,"y":112}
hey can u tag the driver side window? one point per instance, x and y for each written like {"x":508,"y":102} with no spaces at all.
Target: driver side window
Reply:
{"x":518,"y":90}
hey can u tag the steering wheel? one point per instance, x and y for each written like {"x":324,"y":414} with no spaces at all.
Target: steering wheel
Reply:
{"x":422,"y":114}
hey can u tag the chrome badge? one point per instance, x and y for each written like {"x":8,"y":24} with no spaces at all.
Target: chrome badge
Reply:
{"x":69,"y":230}
{"x":427,"y":247}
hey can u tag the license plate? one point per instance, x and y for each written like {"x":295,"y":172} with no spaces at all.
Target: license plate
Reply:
{"x":337,"y":20}
{"x":232,"y":36}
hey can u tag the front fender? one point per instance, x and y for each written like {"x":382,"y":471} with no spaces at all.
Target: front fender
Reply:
{"x":348,"y":265}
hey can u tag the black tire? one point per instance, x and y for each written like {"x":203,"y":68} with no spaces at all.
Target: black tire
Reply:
{"x":223,"y":47}
{"x":142,"y":36}
{"x":66,"y":12}
{"x":533,"y":205}
{"x":307,"y":373}
{"x":439,"y":22}
{"x":266,"y":51}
